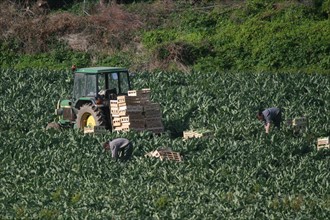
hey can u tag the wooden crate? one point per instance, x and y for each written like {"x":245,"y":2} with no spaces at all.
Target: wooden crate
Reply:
{"x":126,"y":128}
{"x":323,"y":143}
{"x":141,"y":93}
{"x":196,"y":134}
{"x":131,"y":108}
{"x":151,"y":107}
{"x":153,"y":122}
{"x":170,"y":155}
{"x":95,"y":130}
{"x":153,"y":114}
{"x":133,"y":125}
{"x":128,"y":121}
{"x":116,"y":122}
{"x":114,"y":112}
{"x":128,"y":112}
{"x":132,"y":100}
{"x":301,"y":122}
{"x":156,"y":130}
{"x":165,"y":154}
{"x":114,"y":104}
{"x":131,"y":119}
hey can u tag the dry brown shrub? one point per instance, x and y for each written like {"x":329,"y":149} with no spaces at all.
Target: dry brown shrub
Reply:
{"x":115,"y":19}
{"x":64,"y":23}
{"x":112,"y":27}
{"x":153,"y":15}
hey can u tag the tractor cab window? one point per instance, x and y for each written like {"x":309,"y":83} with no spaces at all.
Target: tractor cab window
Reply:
{"x":113,"y":81}
{"x":119,"y":81}
{"x":79,"y":85}
{"x":101,"y":82}
{"x":124,"y":82}
{"x":91,"y":89}
{"x":84,"y":85}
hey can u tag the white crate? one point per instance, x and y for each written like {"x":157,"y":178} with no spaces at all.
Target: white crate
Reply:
{"x":323,"y":143}
{"x":95,"y":130}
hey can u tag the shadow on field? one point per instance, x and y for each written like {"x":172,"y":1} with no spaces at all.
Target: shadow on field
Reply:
{"x":177,"y":126}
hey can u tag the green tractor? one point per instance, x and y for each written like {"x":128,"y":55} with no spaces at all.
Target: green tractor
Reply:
{"x":93,"y":89}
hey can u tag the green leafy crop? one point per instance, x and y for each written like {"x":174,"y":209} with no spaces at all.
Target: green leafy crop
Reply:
{"x":239,"y":173}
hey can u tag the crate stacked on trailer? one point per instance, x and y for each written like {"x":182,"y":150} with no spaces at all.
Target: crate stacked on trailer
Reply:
{"x":136,"y":112}
{"x":153,"y":117}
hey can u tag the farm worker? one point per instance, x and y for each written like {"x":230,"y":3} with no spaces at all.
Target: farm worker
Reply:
{"x":270,"y":115}
{"x":121,"y":148}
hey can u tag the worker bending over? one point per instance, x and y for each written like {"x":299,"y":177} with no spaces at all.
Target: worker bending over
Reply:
{"x":121,"y":148}
{"x":270,"y":115}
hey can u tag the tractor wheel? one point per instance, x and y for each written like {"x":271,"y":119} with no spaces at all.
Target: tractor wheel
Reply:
{"x":90,"y":116}
{"x":53,"y":125}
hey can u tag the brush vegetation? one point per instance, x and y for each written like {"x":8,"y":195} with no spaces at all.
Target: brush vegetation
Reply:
{"x":257,"y":35}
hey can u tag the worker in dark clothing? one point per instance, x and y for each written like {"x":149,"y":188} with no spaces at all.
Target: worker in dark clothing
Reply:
{"x":121,"y":148}
{"x":270,"y":115}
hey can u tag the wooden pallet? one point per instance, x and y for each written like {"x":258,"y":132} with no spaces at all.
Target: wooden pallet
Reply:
{"x":166,"y":155}
{"x":323,"y":143}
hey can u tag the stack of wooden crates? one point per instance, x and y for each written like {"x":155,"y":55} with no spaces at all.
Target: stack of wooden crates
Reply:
{"x":136,"y":112}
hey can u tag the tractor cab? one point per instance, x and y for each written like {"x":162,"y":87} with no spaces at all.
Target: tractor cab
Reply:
{"x":99,"y":83}
{"x":93,"y":89}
